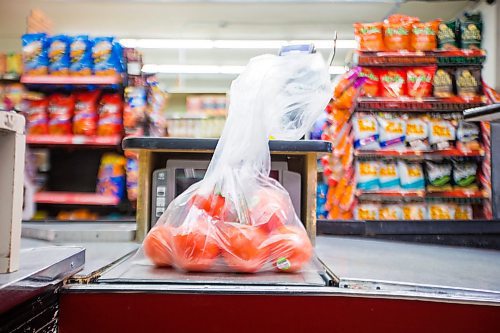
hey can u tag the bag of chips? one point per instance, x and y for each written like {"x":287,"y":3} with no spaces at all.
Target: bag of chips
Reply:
{"x":392,"y":132}
{"x":367,"y":175}
{"x":443,"y":82}
{"x":468,"y":136}
{"x":393,"y":82}
{"x":36,"y":117}
{"x":81,"y":62}
{"x":388,"y":175}
{"x":366,"y":212}
{"x":463,"y":212}
{"x":447,"y":35}
{"x":85,"y":118}
{"x":369,"y":36}
{"x":468,"y":81}
{"x":471,"y":29}
{"x":365,"y":129}
{"x":441,"y":211}
{"x":397,"y":36}
{"x":35,"y":58}
{"x":107,"y":56}
{"x":438,"y":174}
{"x":441,"y":133}
{"x":464,"y":173}
{"x":417,"y":133}
{"x":390,"y":212}
{"x":371,"y":85}
{"x":411,"y":175}
{"x":59,"y":55}
{"x":61,"y":109}
{"x":419,"y":81}
{"x":415,"y":211}
{"x":423,"y":36}
{"x":110,"y":115}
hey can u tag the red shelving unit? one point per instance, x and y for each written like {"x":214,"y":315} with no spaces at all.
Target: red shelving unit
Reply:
{"x":420,"y":154}
{"x":392,"y":194}
{"x":63,"y":140}
{"x":74,"y":80}
{"x":76,"y":198}
{"x":427,"y":104}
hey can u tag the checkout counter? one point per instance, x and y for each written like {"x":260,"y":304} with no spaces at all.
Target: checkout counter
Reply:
{"x":356,"y":285}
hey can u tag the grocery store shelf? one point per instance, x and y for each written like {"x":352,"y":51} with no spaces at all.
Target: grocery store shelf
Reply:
{"x":419,"y":154}
{"x":9,"y":78}
{"x":405,"y":58}
{"x":55,"y":79}
{"x":421,"y":194}
{"x":74,"y":140}
{"x":75,"y":198}
{"x":426,"y":104}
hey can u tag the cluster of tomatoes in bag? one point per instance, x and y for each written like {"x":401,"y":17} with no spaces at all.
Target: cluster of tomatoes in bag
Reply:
{"x":337,"y":167}
{"x":398,"y":82}
{"x":86,"y":113}
{"x":397,"y":33}
{"x":213,"y":237}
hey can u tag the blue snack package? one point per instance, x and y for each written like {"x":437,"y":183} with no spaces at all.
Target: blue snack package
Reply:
{"x":58,"y":52}
{"x":35,"y":56}
{"x":81,"y":61}
{"x":106,"y":53}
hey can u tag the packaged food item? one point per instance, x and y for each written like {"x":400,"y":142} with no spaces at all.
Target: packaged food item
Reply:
{"x":468,"y":136}
{"x":388,"y":175}
{"x":443,"y":82}
{"x":464,"y":173}
{"x":366,"y":212}
{"x":157,"y":100}
{"x":35,"y":58}
{"x":85,"y":117}
{"x":419,"y":81}
{"x":14,"y":65}
{"x":438,"y":174}
{"x":369,"y":36}
{"x":447,"y":35}
{"x":365,"y":129}
{"x":441,"y":133}
{"x":111,"y":175}
{"x":468,"y":80}
{"x":61,"y":109}
{"x":441,"y":211}
{"x":463,"y":212}
{"x":110,"y":115}
{"x":417,"y":133}
{"x":132,"y":173}
{"x":392,"y":132}
{"x":134,"y":108}
{"x":411,"y":175}
{"x":414,"y":211}
{"x":397,"y":36}
{"x":371,"y":85}
{"x":471,"y":29}
{"x":77,"y":215}
{"x":36,"y":117}
{"x":390,"y":212}
{"x":81,"y":62}
{"x":393,"y":82}
{"x":237,"y":218}
{"x":107,"y":56}
{"x":423,"y":36}
{"x":345,"y":81}
{"x":58,"y":49}
{"x":367,"y":175}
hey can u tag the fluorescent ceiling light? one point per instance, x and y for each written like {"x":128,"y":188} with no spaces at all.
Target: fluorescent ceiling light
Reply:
{"x":230,"y":44}
{"x":210,"y":69}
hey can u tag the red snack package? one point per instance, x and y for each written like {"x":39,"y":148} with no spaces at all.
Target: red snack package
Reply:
{"x":393,"y":82}
{"x":110,"y":115}
{"x":371,"y":85}
{"x":397,"y":36}
{"x":423,"y":37}
{"x":85,"y":119}
{"x":419,"y":81}
{"x":36,"y":117}
{"x":60,"y":112}
{"x":369,"y":36}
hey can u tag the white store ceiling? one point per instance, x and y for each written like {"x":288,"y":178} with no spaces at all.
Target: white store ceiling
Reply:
{"x":213,"y":20}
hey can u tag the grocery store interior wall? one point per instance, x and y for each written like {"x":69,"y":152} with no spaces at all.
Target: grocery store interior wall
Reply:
{"x":221,"y":20}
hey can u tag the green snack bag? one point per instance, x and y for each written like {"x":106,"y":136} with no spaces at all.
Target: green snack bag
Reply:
{"x":471,"y":29}
{"x":464,"y":173}
{"x":447,"y":35}
{"x":438,"y":174}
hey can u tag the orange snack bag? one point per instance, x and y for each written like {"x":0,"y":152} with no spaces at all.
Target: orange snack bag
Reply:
{"x":419,"y":81}
{"x":346,"y":100}
{"x":60,"y":112}
{"x":36,"y":117}
{"x":423,"y":37}
{"x":371,"y":85}
{"x":397,"y":36}
{"x":369,"y":36}
{"x":85,"y":118}
{"x":110,"y":115}
{"x":393,"y":82}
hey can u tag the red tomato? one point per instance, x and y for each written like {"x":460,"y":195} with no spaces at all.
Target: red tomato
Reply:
{"x":156,"y":246}
{"x":290,"y":248}
{"x":214,"y":204}
{"x":243,"y":252}
{"x":271,"y":209}
{"x":194,"y":249}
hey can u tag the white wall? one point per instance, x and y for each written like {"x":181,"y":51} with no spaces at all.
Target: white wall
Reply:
{"x":491,"y":42}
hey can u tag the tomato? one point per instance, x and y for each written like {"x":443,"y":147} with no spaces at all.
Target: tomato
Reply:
{"x":243,"y":252}
{"x":290,"y":248}
{"x":214,"y":204}
{"x":194,"y":248}
{"x":156,"y":246}
{"x":271,"y":209}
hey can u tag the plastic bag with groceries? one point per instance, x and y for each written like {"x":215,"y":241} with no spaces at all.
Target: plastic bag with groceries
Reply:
{"x":238,"y":219}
